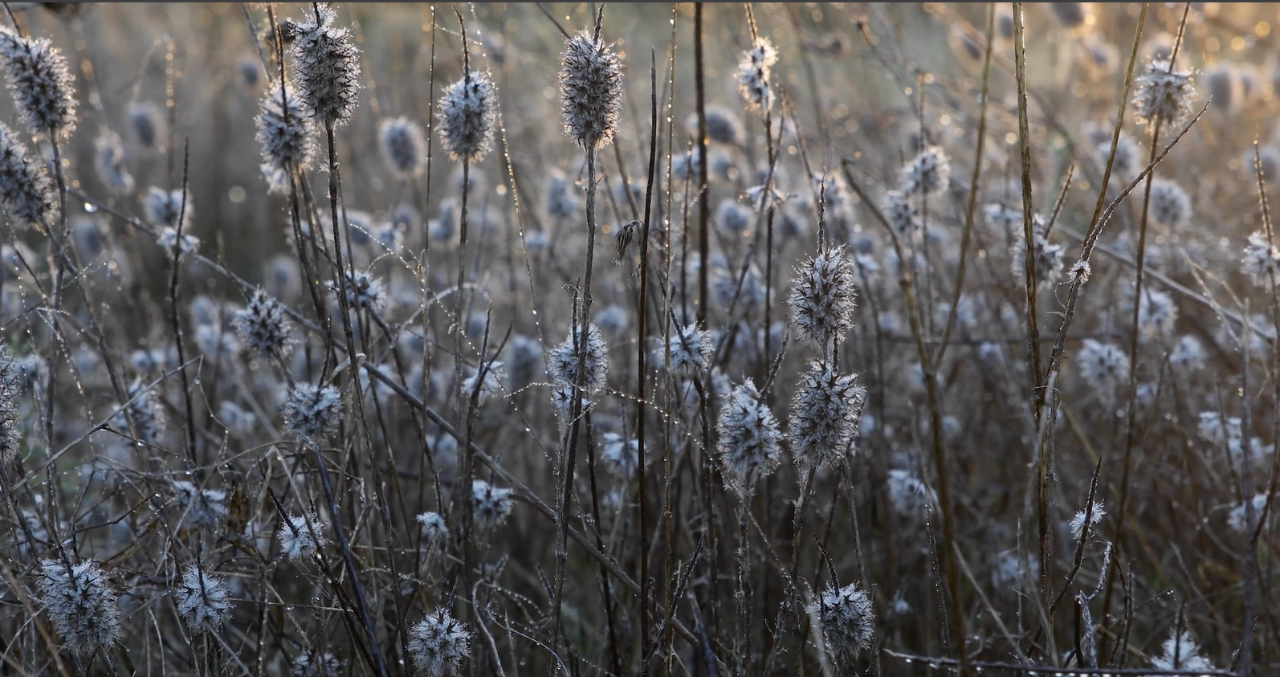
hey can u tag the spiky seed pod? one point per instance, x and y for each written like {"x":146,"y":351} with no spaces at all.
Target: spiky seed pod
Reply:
{"x":691,"y":349}
{"x":825,"y":416}
{"x":848,"y":624}
{"x":468,"y":115}
{"x":81,"y":604}
{"x":1046,"y":256}
{"x":750,"y":440}
{"x":286,"y":134}
{"x":326,"y":67}
{"x":823,"y":297}
{"x":11,"y":432}
{"x":562,"y":364}
{"x":754,"y":70}
{"x":492,"y":504}
{"x":590,"y":90}
{"x":26,"y":191}
{"x":1170,"y":205}
{"x":1164,"y":95}
{"x":1103,"y":366}
{"x":403,"y":146}
{"x":108,"y":160}
{"x":43,"y":89}
{"x":311,"y":410}
{"x":928,"y":173}
{"x":301,"y":536}
{"x":1261,"y":260}
{"x":162,"y":208}
{"x":439,"y":643}
{"x":901,"y":214}
{"x":146,"y":123}
{"x":202,"y":600}
{"x":263,"y":326}
{"x":364,"y":291}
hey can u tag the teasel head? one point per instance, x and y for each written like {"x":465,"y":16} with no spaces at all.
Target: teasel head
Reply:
{"x":163,"y":208}
{"x":750,"y":442}
{"x":81,"y":603}
{"x":286,"y":133}
{"x":202,"y":600}
{"x":326,"y":67}
{"x":311,"y":411}
{"x":439,"y":643}
{"x":754,"y":72}
{"x":108,"y":160}
{"x":403,"y":146}
{"x":1164,"y":95}
{"x":590,"y":89}
{"x":823,"y":297}
{"x":848,"y":624}
{"x":263,"y":326}
{"x":563,"y":361}
{"x":468,"y":115}
{"x":26,"y":191}
{"x":42,"y":86}
{"x":825,"y":416}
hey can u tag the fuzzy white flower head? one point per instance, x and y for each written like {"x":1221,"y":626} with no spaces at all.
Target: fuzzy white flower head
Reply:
{"x":928,"y":173}
{"x":749,"y":442}
{"x":823,"y":297}
{"x":81,"y":605}
{"x":754,"y":71}
{"x":590,"y":90}
{"x":286,"y":133}
{"x":492,"y":504}
{"x":825,"y":416}
{"x":434,"y":530}
{"x":691,"y":349}
{"x":326,"y":67}
{"x":848,"y":624}
{"x":1180,"y":652}
{"x":310,"y":410}
{"x":1261,"y":260}
{"x":263,"y":326}
{"x":620,"y":456}
{"x":202,"y":600}
{"x":301,"y":536}
{"x":1103,"y":366}
{"x":1094,"y":514}
{"x":563,"y":360}
{"x":439,"y":643}
{"x":467,"y":117}
{"x":1164,"y":95}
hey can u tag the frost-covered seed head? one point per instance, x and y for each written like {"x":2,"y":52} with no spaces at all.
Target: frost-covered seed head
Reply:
{"x":1188,"y":353}
{"x":403,"y":146}
{"x":201,"y":506}
{"x":590,"y":90}
{"x":1170,"y":205}
{"x":286,"y":133}
{"x":847,"y":623}
{"x":81,"y":604}
{"x":326,"y":67}
{"x":263,"y":326}
{"x":928,"y":173}
{"x":202,"y":600}
{"x":1103,"y":366}
{"x":901,"y":214}
{"x":301,"y":536}
{"x":1180,"y":652}
{"x":823,"y":297}
{"x":492,"y":504}
{"x":733,"y":219}
{"x":11,"y":432}
{"x":364,"y":291}
{"x":43,"y":89}
{"x":524,"y":362}
{"x":620,"y":456}
{"x":311,"y":411}
{"x":754,"y":73}
{"x":909,"y":496}
{"x":162,"y":208}
{"x":1261,"y":260}
{"x":1046,"y":256}
{"x":26,"y":191}
{"x":148,"y":416}
{"x":108,"y":160}
{"x":749,"y":442}
{"x":439,"y":643}
{"x":169,"y":239}
{"x":491,"y":387}
{"x":825,"y":415}
{"x":1157,"y":313}
{"x":691,"y":349}
{"x":146,"y":123}
{"x":468,"y":115}
{"x":1164,"y":95}
{"x":563,"y":361}
{"x":435,"y":533}
{"x":1094,"y":515}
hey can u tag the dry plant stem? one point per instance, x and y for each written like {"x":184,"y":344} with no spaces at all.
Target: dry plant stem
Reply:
{"x":704,"y":207}
{"x":1024,"y":148}
{"x":641,"y":354}
{"x":973,"y":190}
{"x":175,"y":326}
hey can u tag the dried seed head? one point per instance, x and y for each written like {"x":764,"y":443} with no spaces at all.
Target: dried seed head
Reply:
{"x":468,"y":115}
{"x":491,"y":387}
{"x":403,"y":146}
{"x":620,"y":456}
{"x":201,"y":506}
{"x":169,"y":239}
{"x":146,"y":123}
{"x":435,"y":533}
{"x":563,"y":359}
{"x":108,"y":160}
{"x":1157,"y":313}
{"x":750,"y":441}
{"x":286,"y":134}
{"x":1261,"y":260}
{"x":823,"y":297}
{"x":202,"y":600}
{"x":148,"y":416}
{"x":26,"y":191}
{"x":163,"y":208}
{"x":326,"y":67}
{"x":11,"y":429}
{"x":901,"y":214}
{"x":732,"y":218}
{"x":311,"y":411}
{"x":81,"y":605}
{"x":1170,"y":205}
{"x":1046,"y":257}
{"x":301,"y":536}
{"x":691,"y":349}
{"x":928,"y":173}
{"x":847,"y":623}
{"x":263,"y":326}
{"x":43,"y":89}
{"x":1164,"y":95}
{"x":492,"y":504}
{"x":909,"y":496}
{"x":754,"y":72}
{"x":1181,"y":653}
{"x":723,"y":125}
{"x":439,"y":643}
{"x":825,"y":416}
{"x":590,"y":90}
{"x":1103,"y":366}
{"x":364,"y":291}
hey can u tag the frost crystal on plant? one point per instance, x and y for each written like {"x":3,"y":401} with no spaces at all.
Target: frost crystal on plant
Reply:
{"x":847,"y":623}
{"x":263,"y":326}
{"x":563,"y":359}
{"x":42,"y":87}
{"x":1095,"y":515}
{"x":1046,"y":257}
{"x":1170,"y":205}
{"x":148,"y":416}
{"x":928,"y":173}
{"x":168,"y":240}
{"x":26,"y":191}
{"x":590,"y":90}
{"x":300,"y":536}
{"x":754,"y":70}
{"x":202,"y":600}
{"x":491,"y":387}
{"x":11,"y":432}
{"x":910,"y":496}
{"x":1180,"y":652}
{"x":435,"y":533}
{"x":326,"y":67}
{"x":311,"y":411}
{"x":825,"y":416}
{"x":823,"y":297}
{"x":1261,"y":260}
{"x":468,"y":115}
{"x":81,"y":605}
{"x":492,"y":504}
{"x":202,"y":506}
{"x":691,"y":349}
{"x":439,"y":643}
{"x":1164,"y":95}
{"x":749,"y":442}
{"x":286,"y":134}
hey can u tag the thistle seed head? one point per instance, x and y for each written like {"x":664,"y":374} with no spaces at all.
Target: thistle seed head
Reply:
{"x":468,"y":115}
{"x":825,"y":416}
{"x":823,"y":297}
{"x":43,"y":89}
{"x":202,"y":600}
{"x":590,"y":90}
{"x":301,"y":536}
{"x":108,"y":160}
{"x":403,"y":146}
{"x":26,"y":191}
{"x":439,"y":643}
{"x":263,"y":326}
{"x":326,"y":67}
{"x":563,"y":360}
{"x":750,"y":441}
{"x":1164,"y":95}
{"x":754,"y":72}
{"x":286,"y":133}
{"x":848,"y":624}
{"x":492,"y":504}
{"x":81,"y":604}
{"x":311,"y":411}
